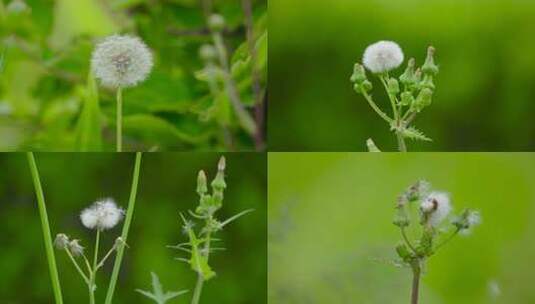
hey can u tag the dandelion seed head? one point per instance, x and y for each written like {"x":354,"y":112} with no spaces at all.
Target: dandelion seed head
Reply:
{"x":76,"y":248}
{"x":437,"y":206}
{"x":382,"y":56}
{"x":121,"y":61}
{"x":474,"y":218}
{"x":102,"y":215}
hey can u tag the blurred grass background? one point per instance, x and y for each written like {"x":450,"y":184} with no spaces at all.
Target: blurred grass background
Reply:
{"x":72,"y":181}
{"x":330,"y":228}
{"x":485,"y":95}
{"x":45,"y":53}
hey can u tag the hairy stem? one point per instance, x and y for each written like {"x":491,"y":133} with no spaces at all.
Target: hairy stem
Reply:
{"x":126,"y":227}
{"x":416,"y":272}
{"x":200,"y":280}
{"x":47,"y":236}
{"x":119,"y":122}
{"x":401,"y":142}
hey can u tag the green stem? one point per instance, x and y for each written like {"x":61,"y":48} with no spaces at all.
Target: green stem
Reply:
{"x":416,"y":272}
{"x":77,"y":266}
{"x":376,"y":108}
{"x":126,"y":227}
{"x":46,"y":229}
{"x":119,"y":121}
{"x":406,"y":239}
{"x":93,"y":275}
{"x":401,"y":142}
{"x":391,"y":97}
{"x":447,"y":240}
{"x":200,"y":280}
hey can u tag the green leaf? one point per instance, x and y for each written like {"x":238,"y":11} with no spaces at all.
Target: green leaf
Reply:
{"x":414,"y":134}
{"x":158,"y":294}
{"x":89,"y":127}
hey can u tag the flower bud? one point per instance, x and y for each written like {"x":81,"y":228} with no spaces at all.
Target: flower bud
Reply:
{"x":393,"y":86}
{"x":208,"y":53}
{"x":216,"y":23}
{"x":408,"y":78}
{"x":359,"y":74}
{"x":406,"y":99}
{"x":202,"y":187}
{"x":423,"y":100}
{"x":403,"y":252}
{"x":429,"y":66}
{"x":363,"y":87}
{"x":401,"y":219}
{"x":427,"y":82}
{"x":76,"y":248}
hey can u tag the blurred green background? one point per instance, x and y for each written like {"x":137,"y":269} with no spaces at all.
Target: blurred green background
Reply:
{"x":72,"y":181}
{"x":45,"y":52}
{"x":485,"y":95}
{"x":330,"y":231}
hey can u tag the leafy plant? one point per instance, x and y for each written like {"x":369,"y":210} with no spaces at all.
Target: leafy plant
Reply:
{"x":433,"y":208}
{"x":199,"y":245}
{"x":409,"y":94}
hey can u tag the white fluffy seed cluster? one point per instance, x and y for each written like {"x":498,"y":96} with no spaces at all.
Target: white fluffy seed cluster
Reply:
{"x":102,"y":215}
{"x":121,"y":61}
{"x":437,"y":206}
{"x":382,"y":56}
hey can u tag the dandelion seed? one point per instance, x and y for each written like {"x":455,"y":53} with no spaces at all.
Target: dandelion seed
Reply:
{"x":62,"y":241}
{"x":121,"y":61}
{"x":382,"y":56}
{"x":436,"y":206}
{"x":102,"y":215}
{"x":76,"y":248}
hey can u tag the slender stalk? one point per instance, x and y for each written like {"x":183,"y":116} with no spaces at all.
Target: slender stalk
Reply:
{"x":92,"y":279}
{"x":46,"y":229}
{"x":126,"y":227}
{"x":406,"y":239}
{"x":119,"y":121}
{"x":391,"y":97}
{"x":447,"y":240}
{"x":77,"y":266}
{"x":376,"y":108}
{"x":416,"y":272}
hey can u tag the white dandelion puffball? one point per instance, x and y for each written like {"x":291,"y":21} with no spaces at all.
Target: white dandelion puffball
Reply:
{"x":102,"y":215}
{"x":437,"y":206}
{"x":121,"y":61}
{"x":382,"y":56}
{"x":474,"y":218}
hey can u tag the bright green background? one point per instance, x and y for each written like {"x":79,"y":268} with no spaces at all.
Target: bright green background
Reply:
{"x":485,"y":95}
{"x":72,"y":181}
{"x":330,"y":227}
{"x":46,"y":55}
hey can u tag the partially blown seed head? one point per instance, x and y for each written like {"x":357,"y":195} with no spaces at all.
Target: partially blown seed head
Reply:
{"x":436,"y":206}
{"x":121,"y":61}
{"x":102,"y":215}
{"x":382,"y":56}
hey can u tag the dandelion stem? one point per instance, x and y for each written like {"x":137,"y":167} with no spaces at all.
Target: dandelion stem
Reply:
{"x":416,"y":271}
{"x":447,"y":240}
{"x":46,"y":229}
{"x":126,"y":227}
{"x":119,"y":121}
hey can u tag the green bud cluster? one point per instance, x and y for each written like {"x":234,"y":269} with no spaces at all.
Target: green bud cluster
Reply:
{"x":361,"y":84}
{"x":210,"y":203}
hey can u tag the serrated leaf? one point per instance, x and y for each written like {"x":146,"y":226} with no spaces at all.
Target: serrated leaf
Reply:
{"x":414,"y":134}
{"x":158,"y":294}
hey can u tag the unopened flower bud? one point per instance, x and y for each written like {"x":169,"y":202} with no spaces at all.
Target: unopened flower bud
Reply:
{"x":393,"y":86}
{"x":359,"y":74}
{"x":408,"y":78}
{"x":429,"y":66}
{"x":202,"y":187}
{"x":423,"y":100}
{"x":403,"y":252}
{"x":401,"y":219}
{"x":427,"y":82}
{"x":216,"y":23}
{"x":406,"y":98}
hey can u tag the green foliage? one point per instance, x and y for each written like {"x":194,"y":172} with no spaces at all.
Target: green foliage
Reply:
{"x":46,"y":103}
{"x":157,"y":294}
